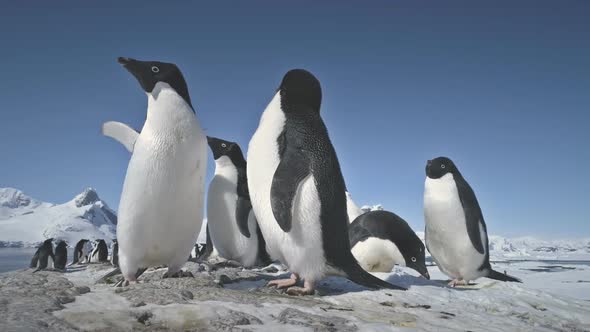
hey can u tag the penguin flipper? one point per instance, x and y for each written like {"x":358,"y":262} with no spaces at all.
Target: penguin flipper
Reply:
{"x":356,"y":274}
{"x":243,"y":208}
{"x":292,"y":170}
{"x":473,"y":215}
{"x":121,"y":133}
{"x":34,"y":260}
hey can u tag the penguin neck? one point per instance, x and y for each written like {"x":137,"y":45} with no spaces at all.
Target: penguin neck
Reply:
{"x":224,"y":167}
{"x":273,"y":115}
{"x":441,"y":187}
{"x":166,"y":108}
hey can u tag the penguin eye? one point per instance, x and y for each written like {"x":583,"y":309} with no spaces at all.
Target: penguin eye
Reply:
{"x":155,"y":69}
{"x":442,"y":166}
{"x":414,"y":259}
{"x":223,"y":145}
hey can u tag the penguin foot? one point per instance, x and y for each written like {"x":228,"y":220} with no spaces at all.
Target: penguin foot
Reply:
{"x":307,"y":289}
{"x":284,"y":283}
{"x":179,"y":274}
{"x":458,"y":282}
{"x":124,"y":283}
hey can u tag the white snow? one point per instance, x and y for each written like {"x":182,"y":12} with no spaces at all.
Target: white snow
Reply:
{"x":25,"y":221}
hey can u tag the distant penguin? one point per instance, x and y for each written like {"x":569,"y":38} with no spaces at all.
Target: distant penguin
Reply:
{"x":352,"y":209}
{"x":231,"y":222}
{"x":61,"y":256}
{"x":204,"y":251}
{"x":100,"y":252}
{"x":381,"y":239}
{"x":80,"y":252}
{"x":297,"y":189}
{"x":456,"y":233}
{"x":44,"y":256}
{"x":115,"y":253}
{"x":161,"y":207}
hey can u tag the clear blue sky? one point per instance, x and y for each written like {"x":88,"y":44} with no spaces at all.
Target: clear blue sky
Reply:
{"x":502,"y":90}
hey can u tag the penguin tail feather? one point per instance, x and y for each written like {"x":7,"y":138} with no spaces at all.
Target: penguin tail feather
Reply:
{"x":493,"y":274}
{"x":359,"y":276}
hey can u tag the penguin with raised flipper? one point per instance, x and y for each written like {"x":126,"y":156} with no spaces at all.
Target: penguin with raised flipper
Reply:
{"x":161,"y":207}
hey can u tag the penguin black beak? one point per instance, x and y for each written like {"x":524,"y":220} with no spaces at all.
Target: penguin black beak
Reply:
{"x":124,"y":60}
{"x":422,"y":269}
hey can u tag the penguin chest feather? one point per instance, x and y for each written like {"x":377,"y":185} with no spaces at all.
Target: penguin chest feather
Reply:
{"x":301,"y":248}
{"x":221,"y":216}
{"x":161,"y":206}
{"x":377,"y":255}
{"x":446,"y":230}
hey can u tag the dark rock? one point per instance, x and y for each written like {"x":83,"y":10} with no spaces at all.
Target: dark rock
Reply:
{"x":186,"y":294}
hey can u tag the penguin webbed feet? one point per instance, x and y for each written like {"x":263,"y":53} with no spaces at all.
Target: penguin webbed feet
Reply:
{"x":284,"y":283}
{"x":307,"y":289}
{"x":458,"y":282}
{"x":179,"y":274}
{"x":123,"y":283}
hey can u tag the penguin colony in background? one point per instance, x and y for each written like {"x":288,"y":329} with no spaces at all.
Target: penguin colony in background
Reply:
{"x":46,"y":257}
{"x":287,"y":203}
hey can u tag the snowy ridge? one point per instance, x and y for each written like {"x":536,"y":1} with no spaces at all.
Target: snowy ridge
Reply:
{"x":14,"y":202}
{"x":25,"y":222}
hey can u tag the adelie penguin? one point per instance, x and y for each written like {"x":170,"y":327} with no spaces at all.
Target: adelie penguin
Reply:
{"x":381,"y":239}
{"x":231,"y":222}
{"x":161,"y":206}
{"x":80,"y":252}
{"x":100,"y":252}
{"x":44,"y":256}
{"x":456,"y":233}
{"x":297,"y":189}
{"x":61,"y":256}
{"x":115,"y":253}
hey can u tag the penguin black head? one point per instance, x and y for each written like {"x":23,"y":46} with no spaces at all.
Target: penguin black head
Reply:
{"x":222,"y":148}
{"x":149,"y":73}
{"x":62,"y":244}
{"x":48,"y":241}
{"x":439,"y":167}
{"x":300,"y":88}
{"x":415,"y":256}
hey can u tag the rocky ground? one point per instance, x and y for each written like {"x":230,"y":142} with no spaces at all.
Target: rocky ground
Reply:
{"x":234,"y":299}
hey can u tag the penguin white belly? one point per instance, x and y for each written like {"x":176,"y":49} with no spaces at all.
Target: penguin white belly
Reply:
{"x":161,"y":207}
{"x":446,"y":231}
{"x":301,"y":248}
{"x":221,"y":217}
{"x":377,"y":255}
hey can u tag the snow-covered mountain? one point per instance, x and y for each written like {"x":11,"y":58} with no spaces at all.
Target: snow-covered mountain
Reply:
{"x":25,"y":221}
